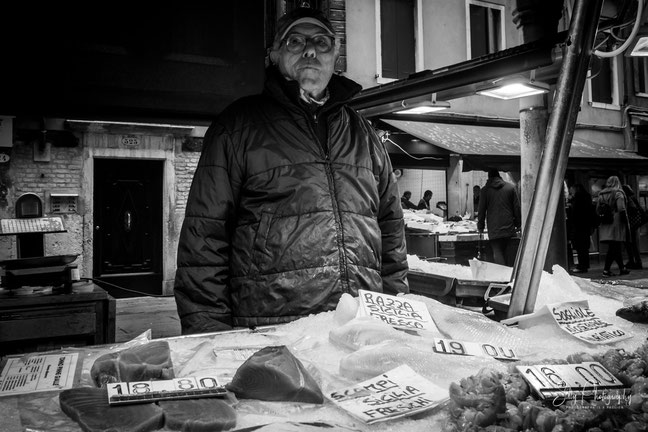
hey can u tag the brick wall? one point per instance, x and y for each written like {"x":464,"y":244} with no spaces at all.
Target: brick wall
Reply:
{"x":58,"y":170}
{"x":186,"y":161}
{"x":62,"y":171}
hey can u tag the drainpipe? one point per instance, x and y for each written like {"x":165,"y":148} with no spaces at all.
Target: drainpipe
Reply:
{"x":538,"y":19}
{"x":630,"y":144}
{"x":560,"y":131}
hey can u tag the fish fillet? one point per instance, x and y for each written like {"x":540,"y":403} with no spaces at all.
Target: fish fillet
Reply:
{"x":275,"y":374}
{"x":198,"y":415}
{"x":469,"y":326}
{"x":89,"y":407}
{"x":364,"y":331}
{"x":151,"y":361}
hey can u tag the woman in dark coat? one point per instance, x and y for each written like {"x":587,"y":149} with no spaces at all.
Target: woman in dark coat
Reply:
{"x":614,"y":234}
{"x":581,"y":224}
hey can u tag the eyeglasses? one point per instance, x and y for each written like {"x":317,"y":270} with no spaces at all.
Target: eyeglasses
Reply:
{"x":296,"y":43}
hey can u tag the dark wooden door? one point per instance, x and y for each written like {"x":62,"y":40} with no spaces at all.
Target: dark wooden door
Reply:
{"x":128,"y":226}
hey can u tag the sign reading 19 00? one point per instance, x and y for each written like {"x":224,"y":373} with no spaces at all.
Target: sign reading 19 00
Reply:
{"x":449,"y":346}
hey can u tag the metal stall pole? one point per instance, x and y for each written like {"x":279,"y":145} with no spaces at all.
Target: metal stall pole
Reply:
{"x":560,"y":131}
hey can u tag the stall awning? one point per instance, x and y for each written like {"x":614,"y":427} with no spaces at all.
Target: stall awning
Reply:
{"x":484,"y":147}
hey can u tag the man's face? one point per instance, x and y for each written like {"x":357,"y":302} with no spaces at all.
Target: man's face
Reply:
{"x":311,"y":68}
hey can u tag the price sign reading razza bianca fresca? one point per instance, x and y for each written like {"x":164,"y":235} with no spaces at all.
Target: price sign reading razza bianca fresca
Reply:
{"x":396,"y":311}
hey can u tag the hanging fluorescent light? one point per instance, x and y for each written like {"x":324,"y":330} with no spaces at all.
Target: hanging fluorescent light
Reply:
{"x":640,"y":48}
{"x":423,"y":107}
{"x":513,"y":88}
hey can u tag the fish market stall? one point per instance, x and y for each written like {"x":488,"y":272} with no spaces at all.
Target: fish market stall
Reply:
{"x":454,"y":242}
{"x":358,"y":369}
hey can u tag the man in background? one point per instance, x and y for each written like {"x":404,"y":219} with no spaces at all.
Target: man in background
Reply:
{"x":500,"y":213}
{"x":294,"y":201}
{"x":424,"y":203}
{"x":406,"y":202}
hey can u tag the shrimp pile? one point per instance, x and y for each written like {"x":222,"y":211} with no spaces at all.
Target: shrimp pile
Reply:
{"x":496,"y":401}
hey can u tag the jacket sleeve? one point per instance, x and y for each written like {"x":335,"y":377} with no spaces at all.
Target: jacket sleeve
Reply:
{"x":481,"y":213}
{"x":390,"y":220}
{"x":622,"y":206}
{"x":201,"y":283}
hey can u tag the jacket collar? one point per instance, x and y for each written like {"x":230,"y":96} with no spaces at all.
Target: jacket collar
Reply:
{"x":340,"y":89}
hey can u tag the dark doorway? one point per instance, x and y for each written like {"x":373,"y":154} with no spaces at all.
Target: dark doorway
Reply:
{"x":128,"y":226}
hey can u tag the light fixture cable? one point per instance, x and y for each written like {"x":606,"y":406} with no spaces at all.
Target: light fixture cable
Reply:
{"x":629,"y":40}
{"x":384,"y":137}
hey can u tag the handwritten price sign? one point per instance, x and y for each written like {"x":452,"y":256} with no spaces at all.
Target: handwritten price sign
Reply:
{"x":396,"y":311}
{"x":577,"y":319}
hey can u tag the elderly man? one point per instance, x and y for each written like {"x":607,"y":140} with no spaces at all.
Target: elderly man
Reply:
{"x":293,"y":202}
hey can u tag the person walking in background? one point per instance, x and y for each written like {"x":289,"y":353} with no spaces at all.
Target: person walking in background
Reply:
{"x":632,"y":245}
{"x":614,"y":232}
{"x":405,"y":201}
{"x":294,"y":201}
{"x":424,"y":203}
{"x":500,"y":213}
{"x":582,"y":222}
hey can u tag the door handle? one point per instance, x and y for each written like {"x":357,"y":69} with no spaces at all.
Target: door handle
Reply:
{"x":127,"y":221}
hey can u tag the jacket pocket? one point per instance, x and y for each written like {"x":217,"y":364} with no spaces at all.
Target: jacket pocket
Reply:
{"x":259,"y":244}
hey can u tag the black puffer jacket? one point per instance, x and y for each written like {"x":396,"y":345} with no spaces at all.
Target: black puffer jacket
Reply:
{"x":499,"y":209}
{"x":287,"y":211}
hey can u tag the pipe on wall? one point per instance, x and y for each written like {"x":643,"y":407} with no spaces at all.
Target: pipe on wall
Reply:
{"x":560,"y":131}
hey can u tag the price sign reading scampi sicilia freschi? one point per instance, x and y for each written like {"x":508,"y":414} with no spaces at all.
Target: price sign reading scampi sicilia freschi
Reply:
{"x":178,"y":388}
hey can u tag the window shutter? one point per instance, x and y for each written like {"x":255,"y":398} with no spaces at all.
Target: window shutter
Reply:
{"x":397,"y":38}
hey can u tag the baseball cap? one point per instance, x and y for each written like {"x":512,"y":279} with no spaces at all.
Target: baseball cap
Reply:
{"x":301,"y":15}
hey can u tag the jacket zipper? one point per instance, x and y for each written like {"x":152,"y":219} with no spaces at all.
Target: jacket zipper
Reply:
{"x":344,"y":272}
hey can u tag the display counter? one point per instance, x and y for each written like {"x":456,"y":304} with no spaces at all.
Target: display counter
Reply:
{"x":38,"y":322}
{"x":452,"y":248}
{"x":338,"y":352}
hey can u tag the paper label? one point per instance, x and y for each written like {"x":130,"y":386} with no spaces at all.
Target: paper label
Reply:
{"x":38,"y":373}
{"x":577,"y":319}
{"x":396,"y":311}
{"x":397,"y":393}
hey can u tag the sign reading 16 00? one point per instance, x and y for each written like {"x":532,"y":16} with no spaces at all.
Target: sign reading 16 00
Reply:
{"x":586,"y":375}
